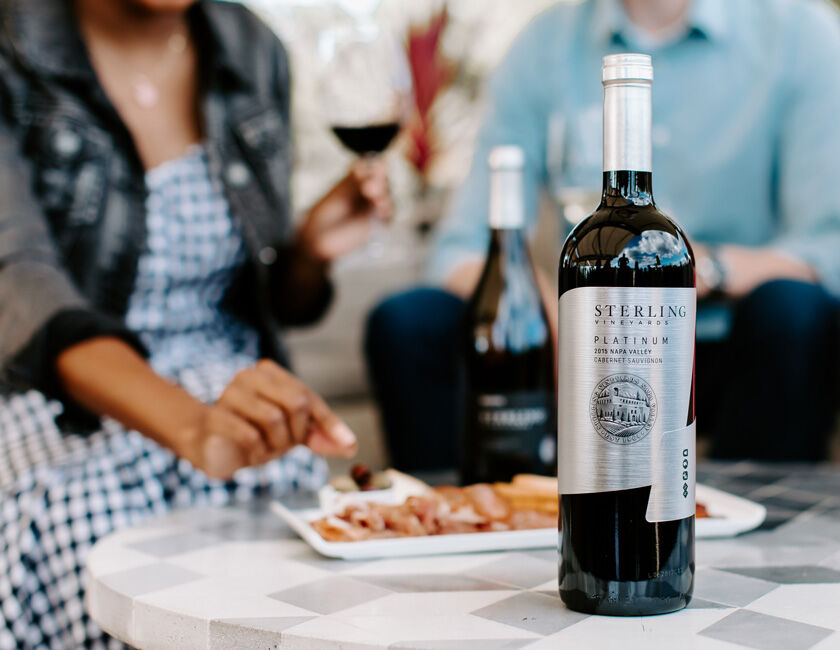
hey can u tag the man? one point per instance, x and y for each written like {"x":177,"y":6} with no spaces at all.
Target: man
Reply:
{"x":745,"y":104}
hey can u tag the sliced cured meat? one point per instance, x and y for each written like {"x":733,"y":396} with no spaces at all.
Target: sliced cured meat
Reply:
{"x":488,"y":502}
{"x":529,"y":519}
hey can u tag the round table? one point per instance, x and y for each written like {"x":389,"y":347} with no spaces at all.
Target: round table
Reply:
{"x":239,"y":578}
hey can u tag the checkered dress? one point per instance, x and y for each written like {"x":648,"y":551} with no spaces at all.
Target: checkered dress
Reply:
{"x":61,"y":492}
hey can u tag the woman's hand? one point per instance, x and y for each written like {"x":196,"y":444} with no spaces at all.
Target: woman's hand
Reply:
{"x":341,"y":221}
{"x":262,"y":414}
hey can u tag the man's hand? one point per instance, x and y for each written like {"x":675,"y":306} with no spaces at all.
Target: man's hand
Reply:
{"x":747,"y":268}
{"x":262,"y":414}
{"x":700,"y":252}
{"x":341,"y":221}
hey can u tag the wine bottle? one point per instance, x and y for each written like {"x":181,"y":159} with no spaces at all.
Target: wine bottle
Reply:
{"x":509,"y":361}
{"x":626,"y":387}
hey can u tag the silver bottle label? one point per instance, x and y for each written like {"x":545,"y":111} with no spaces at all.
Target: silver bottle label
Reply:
{"x":626,"y":363}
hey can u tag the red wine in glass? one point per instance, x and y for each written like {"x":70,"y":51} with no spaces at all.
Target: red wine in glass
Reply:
{"x":367,"y":140}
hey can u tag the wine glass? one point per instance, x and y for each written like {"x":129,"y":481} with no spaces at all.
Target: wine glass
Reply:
{"x":366,"y":96}
{"x":573,"y":160}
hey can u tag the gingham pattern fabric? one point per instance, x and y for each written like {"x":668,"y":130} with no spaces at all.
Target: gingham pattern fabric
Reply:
{"x":61,"y":492}
{"x":193,"y":248}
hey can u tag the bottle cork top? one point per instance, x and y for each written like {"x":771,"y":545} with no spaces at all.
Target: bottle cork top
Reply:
{"x":627,"y":68}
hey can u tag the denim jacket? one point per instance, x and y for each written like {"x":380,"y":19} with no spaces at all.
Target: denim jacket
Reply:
{"x":72,"y":190}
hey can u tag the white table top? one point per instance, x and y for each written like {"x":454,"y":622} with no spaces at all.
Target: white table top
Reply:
{"x":239,"y":578}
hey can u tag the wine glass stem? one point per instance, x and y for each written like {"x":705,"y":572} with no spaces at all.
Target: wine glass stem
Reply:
{"x":378,"y":233}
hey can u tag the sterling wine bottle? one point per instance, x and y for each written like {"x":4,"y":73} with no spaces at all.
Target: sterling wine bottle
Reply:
{"x":626,"y":388}
{"x":509,"y":423}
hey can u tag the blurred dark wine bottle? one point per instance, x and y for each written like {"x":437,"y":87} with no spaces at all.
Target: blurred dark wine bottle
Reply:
{"x":626,"y":388}
{"x":509,"y":425}
{"x":370,"y":139}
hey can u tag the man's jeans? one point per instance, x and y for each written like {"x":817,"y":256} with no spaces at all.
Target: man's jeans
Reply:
{"x":768,"y":391}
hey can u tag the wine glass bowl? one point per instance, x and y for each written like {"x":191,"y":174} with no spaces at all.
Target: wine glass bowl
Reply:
{"x":573,"y":160}
{"x":365,"y":86}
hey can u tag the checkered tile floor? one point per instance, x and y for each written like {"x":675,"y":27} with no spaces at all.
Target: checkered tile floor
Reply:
{"x":237,"y":578}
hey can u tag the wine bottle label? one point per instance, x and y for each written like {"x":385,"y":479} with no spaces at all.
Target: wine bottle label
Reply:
{"x":626,"y":368}
{"x":514,"y":425}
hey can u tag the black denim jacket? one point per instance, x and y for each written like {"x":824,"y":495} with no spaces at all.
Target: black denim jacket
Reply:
{"x":72,"y":191}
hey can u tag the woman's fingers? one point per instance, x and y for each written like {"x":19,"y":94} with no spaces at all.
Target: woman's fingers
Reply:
{"x":344,"y":238}
{"x":276,"y":386}
{"x":342,"y":219}
{"x":311,"y":414}
{"x":325,"y":444}
{"x":229,"y":443}
{"x":375,"y":188}
{"x":291,"y":395}
{"x":368,"y":167}
{"x":373,"y":185}
{"x":262,"y":413}
{"x":328,"y":423}
{"x":221,"y":458}
{"x":225,"y":423}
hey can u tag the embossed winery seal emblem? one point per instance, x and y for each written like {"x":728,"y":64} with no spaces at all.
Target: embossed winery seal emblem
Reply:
{"x":623,"y":408}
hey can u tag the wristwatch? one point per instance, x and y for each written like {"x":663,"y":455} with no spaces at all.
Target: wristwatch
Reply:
{"x":712,"y":271}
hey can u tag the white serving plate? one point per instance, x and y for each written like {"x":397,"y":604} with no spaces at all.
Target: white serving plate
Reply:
{"x":402,"y":487}
{"x":730,"y":516}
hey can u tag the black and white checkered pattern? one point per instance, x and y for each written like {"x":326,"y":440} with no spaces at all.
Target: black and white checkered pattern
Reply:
{"x":29,"y":436}
{"x":776,"y":588}
{"x":192,"y":249}
{"x":62,"y":492}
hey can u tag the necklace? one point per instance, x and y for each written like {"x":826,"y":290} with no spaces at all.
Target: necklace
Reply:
{"x":145,"y":88}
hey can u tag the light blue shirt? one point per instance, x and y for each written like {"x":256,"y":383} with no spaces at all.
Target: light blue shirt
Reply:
{"x":746,"y":124}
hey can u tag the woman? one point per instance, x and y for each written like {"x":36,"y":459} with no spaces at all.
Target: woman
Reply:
{"x":148,"y":263}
